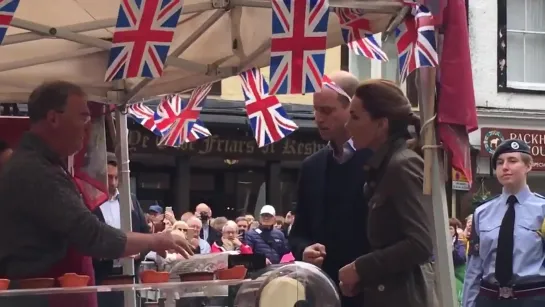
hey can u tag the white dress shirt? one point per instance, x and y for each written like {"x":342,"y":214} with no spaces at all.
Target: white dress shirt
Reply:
{"x":112,"y":212}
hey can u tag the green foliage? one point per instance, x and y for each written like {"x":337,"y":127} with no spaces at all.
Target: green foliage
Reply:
{"x":478,"y":199}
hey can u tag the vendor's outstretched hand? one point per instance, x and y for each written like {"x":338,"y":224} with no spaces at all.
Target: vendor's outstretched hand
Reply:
{"x":165,"y":241}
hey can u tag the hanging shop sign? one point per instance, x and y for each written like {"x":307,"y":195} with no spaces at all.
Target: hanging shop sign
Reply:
{"x":492,"y":138}
{"x":459,"y":181}
{"x":229,"y":146}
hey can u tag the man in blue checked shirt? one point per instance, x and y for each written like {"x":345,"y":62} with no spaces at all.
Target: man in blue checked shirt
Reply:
{"x":502,"y":271}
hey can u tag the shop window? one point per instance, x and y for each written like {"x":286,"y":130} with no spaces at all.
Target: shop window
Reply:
{"x":288,"y":186}
{"x":156,"y":181}
{"x":521,"y":41}
{"x":344,"y":57}
{"x":250,"y":192}
{"x":389,"y":70}
{"x":216,"y":88}
{"x":202,"y":182}
{"x":152,"y":188}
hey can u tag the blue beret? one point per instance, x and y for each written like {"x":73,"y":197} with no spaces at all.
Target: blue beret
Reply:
{"x":511,"y":145}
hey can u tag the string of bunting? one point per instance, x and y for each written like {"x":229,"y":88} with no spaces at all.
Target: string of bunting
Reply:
{"x":145,"y":29}
{"x":297,"y":63}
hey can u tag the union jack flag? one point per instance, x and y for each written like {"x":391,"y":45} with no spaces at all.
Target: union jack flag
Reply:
{"x":298,"y":43}
{"x":144,"y":115}
{"x":7,"y":10}
{"x":142,"y":37}
{"x":415,"y":41}
{"x":268,"y":119}
{"x":186,"y":126}
{"x":168,"y":109}
{"x":357,"y":34}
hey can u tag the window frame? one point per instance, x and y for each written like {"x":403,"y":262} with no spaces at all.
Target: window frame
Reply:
{"x":409,"y":87}
{"x":216,"y":88}
{"x":503,"y":85}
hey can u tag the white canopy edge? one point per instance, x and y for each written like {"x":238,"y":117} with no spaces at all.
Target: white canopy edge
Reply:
{"x":45,"y":43}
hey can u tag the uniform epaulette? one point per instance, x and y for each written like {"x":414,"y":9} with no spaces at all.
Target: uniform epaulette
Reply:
{"x":540,"y":196}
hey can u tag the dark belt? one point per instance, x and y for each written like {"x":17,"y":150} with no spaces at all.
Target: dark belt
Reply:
{"x":511,"y":292}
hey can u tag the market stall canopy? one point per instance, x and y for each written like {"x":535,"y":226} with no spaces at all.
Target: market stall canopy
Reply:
{"x":214,"y":39}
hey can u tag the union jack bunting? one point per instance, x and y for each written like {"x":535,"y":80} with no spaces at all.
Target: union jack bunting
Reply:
{"x":168,"y":109}
{"x":186,"y":126}
{"x":328,"y":83}
{"x":144,"y":115}
{"x":142,"y":37}
{"x":268,"y":119}
{"x":415,"y":41}
{"x":357,"y":34}
{"x":298,"y":43}
{"x":7,"y":10}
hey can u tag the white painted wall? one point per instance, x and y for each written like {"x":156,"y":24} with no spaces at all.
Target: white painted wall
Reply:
{"x":483,"y":27}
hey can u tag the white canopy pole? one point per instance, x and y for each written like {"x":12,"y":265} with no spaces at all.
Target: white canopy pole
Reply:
{"x":444,"y":268}
{"x":125,"y":204}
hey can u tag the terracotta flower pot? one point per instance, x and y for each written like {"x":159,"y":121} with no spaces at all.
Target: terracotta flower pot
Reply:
{"x":72,"y":280}
{"x":36,"y":283}
{"x":198,"y":276}
{"x":4,"y":284}
{"x":236,"y":272}
{"x":152,"y":277}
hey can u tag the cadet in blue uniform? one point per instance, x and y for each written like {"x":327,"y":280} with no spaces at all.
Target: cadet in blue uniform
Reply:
{"x":505,"y":267}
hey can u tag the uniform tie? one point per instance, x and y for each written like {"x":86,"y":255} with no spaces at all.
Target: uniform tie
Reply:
{"x":504,"y":253}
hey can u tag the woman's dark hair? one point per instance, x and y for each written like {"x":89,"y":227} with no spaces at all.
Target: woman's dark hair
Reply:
{"x":454,"y":222}
{"x":384,"y":99}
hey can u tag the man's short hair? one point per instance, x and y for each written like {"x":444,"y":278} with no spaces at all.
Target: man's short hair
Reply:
{"x":51,"y":96}
{"x":111,"y":159}
{"x":241,"y":218}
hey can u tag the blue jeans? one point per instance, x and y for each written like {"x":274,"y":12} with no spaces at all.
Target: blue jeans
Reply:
{"x":534,"y":301}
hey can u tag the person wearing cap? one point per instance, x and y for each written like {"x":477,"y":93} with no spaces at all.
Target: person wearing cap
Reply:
{"x":502,"y":271}
{"x":266,"y":239}
{"x":156,"y":216}
{"x":155,"y":210}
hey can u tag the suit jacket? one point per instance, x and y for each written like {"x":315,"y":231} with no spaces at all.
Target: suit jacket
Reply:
{"x":104,"y":267}
{"x":397,"y":271}
{"x":307,"y":228}
{"x":213,"y":234}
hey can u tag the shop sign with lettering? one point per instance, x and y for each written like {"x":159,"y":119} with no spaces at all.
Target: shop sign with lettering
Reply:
{"x":142,"y":141}
{"x":492,"y":137}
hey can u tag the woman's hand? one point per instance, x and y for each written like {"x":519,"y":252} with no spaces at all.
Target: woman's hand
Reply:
{"x":349,"y":279}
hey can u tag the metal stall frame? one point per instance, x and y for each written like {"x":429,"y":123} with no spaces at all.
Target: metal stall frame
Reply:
{"x":121,"y":94}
